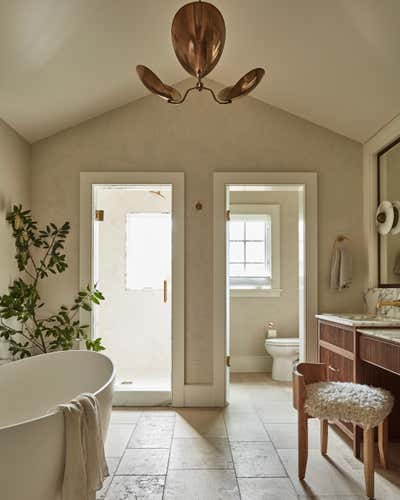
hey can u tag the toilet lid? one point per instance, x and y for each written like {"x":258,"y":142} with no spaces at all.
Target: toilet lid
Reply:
{"x":280,"y":341}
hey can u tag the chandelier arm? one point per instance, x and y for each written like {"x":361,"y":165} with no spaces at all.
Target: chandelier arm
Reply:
{"x":215,"y":97}
{"x":184,"y":96}
{"x":199,"y":89}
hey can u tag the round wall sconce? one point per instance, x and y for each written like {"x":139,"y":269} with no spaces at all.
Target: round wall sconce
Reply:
{"x":388,"y":217}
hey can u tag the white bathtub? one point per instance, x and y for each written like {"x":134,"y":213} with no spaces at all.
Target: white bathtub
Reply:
{"x":31,"y":439}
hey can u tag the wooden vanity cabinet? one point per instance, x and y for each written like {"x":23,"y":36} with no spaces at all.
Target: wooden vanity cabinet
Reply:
{"x":337,"y":348}
{"x":356,"y":356}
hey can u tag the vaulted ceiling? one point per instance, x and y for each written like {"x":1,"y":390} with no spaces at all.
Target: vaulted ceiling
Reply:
{"x":333,"y":62}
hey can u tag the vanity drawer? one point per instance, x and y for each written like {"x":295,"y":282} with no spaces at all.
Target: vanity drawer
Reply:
{"x":340,"y":368}
{"x":380,"y":353}
{"x":336,"y":336}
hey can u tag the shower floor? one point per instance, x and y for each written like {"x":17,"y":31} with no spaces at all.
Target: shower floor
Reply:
{"x":142,"y":391}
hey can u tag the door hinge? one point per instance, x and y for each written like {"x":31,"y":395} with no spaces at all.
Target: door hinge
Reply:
{"x":100,"y":215}
{"x":228,"y":215}
{"x":228,"y":361}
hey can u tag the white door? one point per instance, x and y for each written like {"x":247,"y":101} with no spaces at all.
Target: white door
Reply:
{"x":134,"y":274}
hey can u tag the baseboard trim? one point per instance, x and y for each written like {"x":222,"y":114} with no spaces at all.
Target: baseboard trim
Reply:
{"x":200,"y":395}
{"x":259,"y":363}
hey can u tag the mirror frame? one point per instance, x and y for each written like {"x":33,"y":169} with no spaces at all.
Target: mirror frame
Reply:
{"x":379,"y":155}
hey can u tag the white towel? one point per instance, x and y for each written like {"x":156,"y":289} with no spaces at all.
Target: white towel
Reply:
{"x":85,"y":464}
{"x":341,"y":268}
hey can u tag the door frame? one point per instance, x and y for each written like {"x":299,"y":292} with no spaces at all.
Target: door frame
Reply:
{"x":87,"y":215}
{"x":308,"y":180}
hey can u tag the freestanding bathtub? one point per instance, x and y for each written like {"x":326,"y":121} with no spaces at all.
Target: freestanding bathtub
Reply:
{"x":31,"y":430}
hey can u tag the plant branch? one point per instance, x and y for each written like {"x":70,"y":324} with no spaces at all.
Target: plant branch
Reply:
{"x":22,"y":302}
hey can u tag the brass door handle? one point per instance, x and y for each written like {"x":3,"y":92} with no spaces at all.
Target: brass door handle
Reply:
{"x":165,"y":291}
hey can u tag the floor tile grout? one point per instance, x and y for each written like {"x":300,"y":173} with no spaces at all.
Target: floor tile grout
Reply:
{"x":238,"y":410}
{"x":169,"y":459}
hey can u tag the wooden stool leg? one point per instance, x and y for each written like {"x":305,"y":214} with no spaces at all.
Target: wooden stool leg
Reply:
{"x":383,"y":429}
{"x":369,"y":465}
{"x":302,"y":431}
{"x":324,"y":436}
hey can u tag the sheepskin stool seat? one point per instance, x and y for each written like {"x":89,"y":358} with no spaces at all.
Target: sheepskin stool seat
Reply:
{"x":360,"y":404}
{"x":368,"y":407}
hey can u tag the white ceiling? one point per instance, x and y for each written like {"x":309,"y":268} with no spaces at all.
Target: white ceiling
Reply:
{"x":334,"y":62}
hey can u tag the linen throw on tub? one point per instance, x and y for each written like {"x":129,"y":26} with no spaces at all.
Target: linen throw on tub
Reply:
{"x":85,"y":463}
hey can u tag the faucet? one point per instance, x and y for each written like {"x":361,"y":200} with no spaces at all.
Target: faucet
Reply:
{"x":385,"y":303}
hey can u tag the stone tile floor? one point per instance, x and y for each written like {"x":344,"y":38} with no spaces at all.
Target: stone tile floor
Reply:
{"x":246,"y":451}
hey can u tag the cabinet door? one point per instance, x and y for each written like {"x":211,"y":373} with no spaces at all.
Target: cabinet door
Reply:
{"x":340,"y":369}
{"x":337,"y":336}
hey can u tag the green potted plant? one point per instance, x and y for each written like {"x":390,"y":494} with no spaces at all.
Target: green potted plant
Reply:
{"x":39,"y":254}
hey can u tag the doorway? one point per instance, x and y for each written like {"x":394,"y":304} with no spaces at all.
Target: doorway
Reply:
{"x":132,"y":267}
{"x":231,"y":276}
{"x":135,"y":260}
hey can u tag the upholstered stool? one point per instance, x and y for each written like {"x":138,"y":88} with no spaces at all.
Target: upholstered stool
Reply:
{"x":368,"y":407}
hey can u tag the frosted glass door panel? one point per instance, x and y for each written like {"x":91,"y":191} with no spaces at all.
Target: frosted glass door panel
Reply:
{"x":148,"y":251}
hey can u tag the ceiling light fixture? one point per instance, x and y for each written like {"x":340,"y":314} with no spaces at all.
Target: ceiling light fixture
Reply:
{"x":198,"y":38}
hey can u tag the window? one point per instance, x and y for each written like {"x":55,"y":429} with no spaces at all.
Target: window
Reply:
{"x":148,"y":250}
{"x":254,"y":249}
{"x":250,"y":249}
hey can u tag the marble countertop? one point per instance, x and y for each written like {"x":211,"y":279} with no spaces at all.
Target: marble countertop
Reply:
{"x":383,"y":333}
{"x":359,"y":320}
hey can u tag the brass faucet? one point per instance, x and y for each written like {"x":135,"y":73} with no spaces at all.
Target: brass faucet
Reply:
{"x":390,"y":303}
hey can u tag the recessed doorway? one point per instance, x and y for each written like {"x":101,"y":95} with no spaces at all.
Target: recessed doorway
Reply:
{"x":248,"y":209}
{"x":135,"y":260}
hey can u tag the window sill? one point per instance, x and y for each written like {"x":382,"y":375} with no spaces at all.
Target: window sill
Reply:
{"x":255,"y":292}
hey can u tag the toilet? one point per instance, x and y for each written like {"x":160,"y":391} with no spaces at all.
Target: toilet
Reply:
{"x":284,"y":352}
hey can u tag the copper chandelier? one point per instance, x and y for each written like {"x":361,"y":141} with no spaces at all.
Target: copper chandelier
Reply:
{"x":198,"y":38}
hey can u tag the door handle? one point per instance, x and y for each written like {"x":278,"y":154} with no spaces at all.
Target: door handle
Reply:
{"x":165,"y":291}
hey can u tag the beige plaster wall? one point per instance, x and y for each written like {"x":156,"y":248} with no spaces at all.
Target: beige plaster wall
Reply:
{"x":199,"y":138}
{"x":14,"y":189}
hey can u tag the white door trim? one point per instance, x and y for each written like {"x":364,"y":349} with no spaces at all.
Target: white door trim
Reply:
{"x":177,"y":180}
{"x":221,"y":181}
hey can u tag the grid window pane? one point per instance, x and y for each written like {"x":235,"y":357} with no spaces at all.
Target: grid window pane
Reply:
{"x":250,"y":250}
{"x":256,"y":270}
{"x":236,"y":251}
{"x":255,"y":230}
{"x":255,"y":251}
{"x":237,"y":270}
{"x":236,"y":230}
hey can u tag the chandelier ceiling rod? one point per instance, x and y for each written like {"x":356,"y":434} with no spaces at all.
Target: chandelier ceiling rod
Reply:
{"x":198,"y":37}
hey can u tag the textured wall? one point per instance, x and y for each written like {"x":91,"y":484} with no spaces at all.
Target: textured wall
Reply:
{"x":14,"y":189}
{"x":200,"y":138}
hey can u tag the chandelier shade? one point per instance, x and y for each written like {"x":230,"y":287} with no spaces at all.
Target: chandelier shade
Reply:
{"x":244,"y":86}
{"x":151,"y":81}
{"x":198,"y":38}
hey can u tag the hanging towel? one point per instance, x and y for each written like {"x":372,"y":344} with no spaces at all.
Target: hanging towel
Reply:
{"x":85,"y":464}
{"x":341,"y":268}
